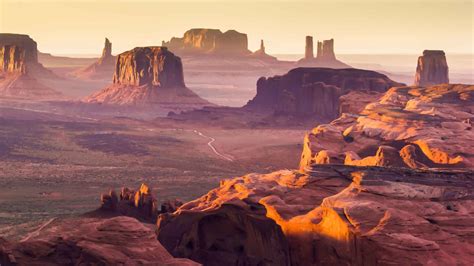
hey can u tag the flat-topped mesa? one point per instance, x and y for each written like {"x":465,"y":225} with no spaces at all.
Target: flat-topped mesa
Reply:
{"x":314,"y":92}
{"x":149,"y":66}
{"x":432,"y":68}
{"x":326,"y":50}
{"x":308,"y":52}
{"x":12,"y":59}
{"x":210,"y":41}
{"x":23,"y":41}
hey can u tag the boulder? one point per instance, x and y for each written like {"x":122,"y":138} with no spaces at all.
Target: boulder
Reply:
{"x":431,"y":69}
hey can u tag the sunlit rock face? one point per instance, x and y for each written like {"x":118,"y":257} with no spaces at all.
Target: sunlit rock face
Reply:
{"x":12,"y":59}
{"x":210,"y":41}
{"x":149,"y":66}
{"x":90,"y":241}
{"x":432,"y":68}
{"x":147,"y":75}
{"x":331,"y":215}
{"x":415,"y":127}
{"x":306,"y":92}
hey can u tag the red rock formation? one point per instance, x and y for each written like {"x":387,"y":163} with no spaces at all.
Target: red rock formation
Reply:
{"x":12,"y":59}
{"x":426,"y":126}
{"x":103,"y":68}
{"x":19,"y":69}
{"x":210,"y":41}
{"x":90,"y":241}
{"x":147,"y":75}
{"x":432,"y":69}
{"x":325,"y":57}
{"x":314,"y":92}
{"x":262,"y":55}
{"x":330,"y":215}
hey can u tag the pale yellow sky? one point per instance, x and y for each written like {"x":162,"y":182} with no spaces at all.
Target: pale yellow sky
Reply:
{"x":367,"y":26}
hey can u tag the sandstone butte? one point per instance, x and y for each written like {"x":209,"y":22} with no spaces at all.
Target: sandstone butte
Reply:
{"x":19,"y":69}
{"x":432,"y":68}
{"x":416,"y":127}
{"x":325,"y":56}
{"x":147,"y":75}
{"x":315,"y":92}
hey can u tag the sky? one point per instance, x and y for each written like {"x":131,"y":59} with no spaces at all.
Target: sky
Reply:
{"x":358,"y":27}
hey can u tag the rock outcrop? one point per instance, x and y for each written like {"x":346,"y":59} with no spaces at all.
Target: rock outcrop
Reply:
{"x":89,"y":241}
{"x":262,"y":55}
{"x":432,"y":68}
{"x":308,"y":51}
{"x":314,"y":92}
{"x":329,"y":215}
{"x":209,"y":41}
{"x":325,"y":55}
{"x":415,"y":127}
{"x":147,"y":75}
{"x":103,"y":68}
{"x":20,"y":70}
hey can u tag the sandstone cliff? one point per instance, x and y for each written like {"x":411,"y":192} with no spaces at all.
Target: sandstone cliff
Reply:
{"x":329,"y":215}
{"x":210,"y":41}
{"x":147,"y":75}
{"x":431,"y":69}
{"x":325,"y":55}
{"x":20,"y":70}
{"x":314,"y":92}
{"x":415,"y":127}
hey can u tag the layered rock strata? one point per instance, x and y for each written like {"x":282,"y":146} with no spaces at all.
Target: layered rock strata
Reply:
{"x":328,"y":215}
{"x":415,"y":127}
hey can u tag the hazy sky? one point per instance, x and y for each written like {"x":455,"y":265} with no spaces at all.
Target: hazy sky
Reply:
{"x":365,"y":26}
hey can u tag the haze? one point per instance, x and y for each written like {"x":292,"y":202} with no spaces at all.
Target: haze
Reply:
{"x":408,"y":27}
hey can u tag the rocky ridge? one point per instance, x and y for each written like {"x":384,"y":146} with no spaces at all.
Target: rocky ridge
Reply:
{"x":314,"y":92}
{"x":416,"y":127}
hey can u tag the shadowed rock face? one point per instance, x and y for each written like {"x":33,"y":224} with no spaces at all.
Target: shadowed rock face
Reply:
{"x":325,"y":55}
{"x":326,"y":50}
{"x":210,"y":41}
{"x":415,"y":127}
{"x":28,"y":45}
{"x":314,"y":91}
{"x":90,"y":241}
{"x":331,"y":215}
{"x":149,"y":66}
{"x":12,"y":59}
{"x":432,"y":68}
{"x":228,"y":235}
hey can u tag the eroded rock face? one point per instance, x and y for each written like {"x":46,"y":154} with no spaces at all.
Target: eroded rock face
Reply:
{"x":262,"y":55}
{"x":314,"y":91}
{"x":148,"y":75}
{"x":432,"y":68}
{"x":12,"y":59}
{"x":210,"y":41}
{"x":149,"y":66}
{"x":22,"y":41}
{"x":226,"y":235}
{"x":333,"y":215}
{"x":90,"y":241}
{"x":103,"y":68}
{"x":416,"y":127}
{"x":325,"y":55}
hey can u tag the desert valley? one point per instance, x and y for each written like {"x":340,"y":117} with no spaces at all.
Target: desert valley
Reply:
{"x":199,"y":151}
